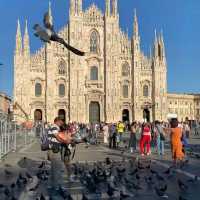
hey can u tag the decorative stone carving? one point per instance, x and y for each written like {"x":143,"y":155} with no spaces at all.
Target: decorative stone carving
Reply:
{"x":119,"y":61}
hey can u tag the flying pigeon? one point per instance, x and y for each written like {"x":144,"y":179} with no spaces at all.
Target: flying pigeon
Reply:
{"x":54,"y":37}
{"x":41,"y":33}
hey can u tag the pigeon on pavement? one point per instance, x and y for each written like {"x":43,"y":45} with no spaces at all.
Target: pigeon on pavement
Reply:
{"x":193,"y":180}
{"x":161,"y":191}
{"x":182,"y":185}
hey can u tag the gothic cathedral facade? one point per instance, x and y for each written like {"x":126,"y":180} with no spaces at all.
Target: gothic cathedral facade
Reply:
{"x":113,"y":81}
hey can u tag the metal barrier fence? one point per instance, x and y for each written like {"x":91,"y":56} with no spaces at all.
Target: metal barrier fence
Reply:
{"x":13,"y":136}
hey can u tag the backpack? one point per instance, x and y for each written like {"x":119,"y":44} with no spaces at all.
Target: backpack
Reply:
{"x":45,"y":143}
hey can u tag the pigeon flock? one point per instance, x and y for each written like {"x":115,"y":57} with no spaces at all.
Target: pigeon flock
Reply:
{"x":109,"y":179}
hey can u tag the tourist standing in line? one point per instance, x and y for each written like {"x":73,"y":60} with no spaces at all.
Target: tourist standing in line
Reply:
{"x":132,"y":140}
{"x":195,"y":127}
{"x":120,"y":130}
{"x":160,"y":137}
{"x":105,"y":133}
{"x":187,"y":130}
{"x":145,"y":139}
{"x":138,"y":132}
{"x":176,"y":142}
{"x":112,"y":136}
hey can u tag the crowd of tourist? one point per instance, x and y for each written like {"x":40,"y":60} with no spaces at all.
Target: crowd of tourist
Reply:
{"x":147,"y":137}
{"x":143,"y":138}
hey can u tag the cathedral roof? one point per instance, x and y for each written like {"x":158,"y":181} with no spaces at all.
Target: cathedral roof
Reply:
{"x":93,"y":13}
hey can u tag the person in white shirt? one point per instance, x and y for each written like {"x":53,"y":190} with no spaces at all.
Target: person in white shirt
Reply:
{"x":105,"y":133}
{"x":55,"y":129}
{"x":187,"y":130}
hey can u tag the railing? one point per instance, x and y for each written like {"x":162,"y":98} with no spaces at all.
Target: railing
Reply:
{"x":12,"y":136}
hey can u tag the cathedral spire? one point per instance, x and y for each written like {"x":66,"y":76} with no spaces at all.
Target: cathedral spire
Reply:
{"x":156,"y":39}
{"x":26,"y":40}
{"x":135,"y":28}
{"x":150,"y":53}
{"x":79,"y":6}
{"x":76,"y":7}
{"x":107,"y":8}
{"x":72,"y":7}
{"x":162,"y":43}
{"x":18,"y":49}
{"x":50,"y":13}
{"x":114,"y":8}
{"x":136,"y":37}
{"x":156,"y":45}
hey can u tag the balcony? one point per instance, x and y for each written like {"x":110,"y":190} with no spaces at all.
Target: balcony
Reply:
{"x":94,"y":84}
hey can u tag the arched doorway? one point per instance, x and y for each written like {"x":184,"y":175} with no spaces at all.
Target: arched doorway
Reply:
{"x":146,"y":115}
{"x":125,"y":115}
{"x":38,"y":115}
{"x":62,"y":114}
{"x":94,"y":112}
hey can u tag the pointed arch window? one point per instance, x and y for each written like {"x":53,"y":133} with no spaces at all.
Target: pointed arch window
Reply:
{"x":38,"y":89}
{"x":62,"y":68}
{"x":94,"y":42}
{"x":94,"y":73}
{"x":125,"y":70}
{"x":145,"y":91}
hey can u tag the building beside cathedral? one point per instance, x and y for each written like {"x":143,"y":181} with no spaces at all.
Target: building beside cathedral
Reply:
{"x":5,"y":102}
{"x":114,"y":81}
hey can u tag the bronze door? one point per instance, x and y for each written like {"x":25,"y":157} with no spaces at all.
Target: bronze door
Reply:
{"x":94,"y":112}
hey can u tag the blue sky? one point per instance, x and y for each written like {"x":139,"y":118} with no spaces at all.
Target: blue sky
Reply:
{"x":179,"y":20}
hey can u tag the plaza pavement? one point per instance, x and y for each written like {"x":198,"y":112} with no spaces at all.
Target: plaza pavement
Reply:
{"x":91,"y":154}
